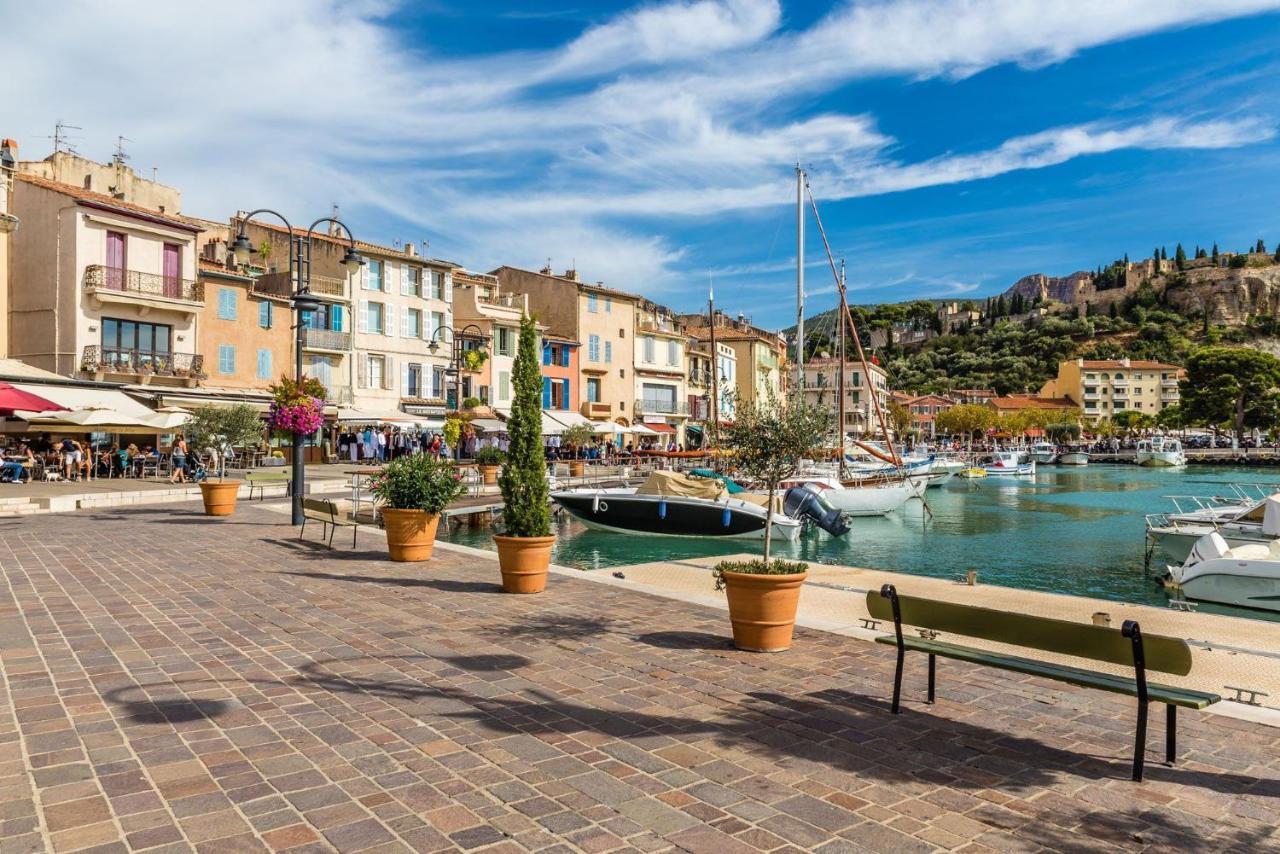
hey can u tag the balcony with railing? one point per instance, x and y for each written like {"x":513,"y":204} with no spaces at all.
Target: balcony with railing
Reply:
{"x":115,"y":284}
{"x":280,"y":284}
{"x":1169,"y":384}
{"x":142,"y":364}
{"x":595,"y":409}
{"x":328,"y":286}
{"x":326,"y":339}
{"x":661,"y":407}
{"x":700,"y":377}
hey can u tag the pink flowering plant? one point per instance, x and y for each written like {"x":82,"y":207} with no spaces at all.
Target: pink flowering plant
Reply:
{"x":297,"y":408}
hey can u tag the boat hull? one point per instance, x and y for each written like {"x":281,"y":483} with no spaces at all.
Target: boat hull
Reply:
{"x":1044,"y":458}
{"x":1023,"y":470}
{"x":652,"y":515}
{"x":1232,"y":582}
{"x":1161,"y":459}
{"x":869,"y":501}
{"x":1177,"y":543}
{"x":1074,"y":458}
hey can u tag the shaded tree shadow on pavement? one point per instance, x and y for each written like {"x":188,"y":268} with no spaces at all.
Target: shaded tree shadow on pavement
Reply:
{"x":553,"y":627}
{"x":442,"y":584}
{"x":685,"y":640}
{"x":171,"y":711}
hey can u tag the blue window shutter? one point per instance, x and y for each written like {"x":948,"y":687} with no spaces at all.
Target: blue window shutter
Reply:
{"x":335,"y":317}
{"x":566,"y":393}
{"x":564,"y":357}
{"x":546,"y":354}
{"x":546,"y":392}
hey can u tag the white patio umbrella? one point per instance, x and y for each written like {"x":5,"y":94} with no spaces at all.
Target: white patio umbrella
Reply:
{"x":171,"y":417}
{"x":97,"y":418}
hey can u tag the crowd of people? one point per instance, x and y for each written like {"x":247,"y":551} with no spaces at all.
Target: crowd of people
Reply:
{"x":372,"y":444}
{"x":75,"y":459}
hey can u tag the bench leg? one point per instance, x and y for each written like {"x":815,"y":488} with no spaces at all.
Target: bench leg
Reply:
{"x":1140,"y":749}
{"x":933,"y":669}
{"x":1171,"y":734}
{"x":897,"y":680}
{"x":333,"y":529}
{"x":304,"y":528}
{"x":355,"y":529}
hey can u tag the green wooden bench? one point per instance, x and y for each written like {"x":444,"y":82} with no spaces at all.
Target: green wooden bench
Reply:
{"x":260,"y":480}
{"x":327,"y":513}
{"x":1126,"y":646}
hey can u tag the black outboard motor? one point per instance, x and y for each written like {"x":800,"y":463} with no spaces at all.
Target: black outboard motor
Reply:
{"x":805,"y":502}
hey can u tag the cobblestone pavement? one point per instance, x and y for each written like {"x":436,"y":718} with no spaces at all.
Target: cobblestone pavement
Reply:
{"x":173,"y":682}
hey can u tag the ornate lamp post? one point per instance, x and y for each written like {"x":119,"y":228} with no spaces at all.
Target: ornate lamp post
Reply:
{"x":457,"y":342}
{"x":302,"y":301}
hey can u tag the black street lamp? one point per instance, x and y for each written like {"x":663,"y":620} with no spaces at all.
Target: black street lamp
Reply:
{"x":301,"y":301}
{"x":457,"y":340}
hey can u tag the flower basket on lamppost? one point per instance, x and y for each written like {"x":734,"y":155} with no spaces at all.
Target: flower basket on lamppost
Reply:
{"x":297,"y":409}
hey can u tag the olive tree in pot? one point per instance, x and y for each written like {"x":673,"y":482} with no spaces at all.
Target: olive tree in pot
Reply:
{"x":768,"y":441}
{"x":524,"y":553}
{"x":222,"y":428}
{"x":489,"y":459}
{"x":577,"y":437}
{"x":413,"y":490}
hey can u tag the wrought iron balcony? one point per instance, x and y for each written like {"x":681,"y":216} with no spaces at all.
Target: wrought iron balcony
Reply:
{"x":115,"y":360}
{"x":101,"y":278}
{"x":326,"y":339}
{"x":701,"y":378}
{"x":662,"y":407}
{"x":328,"y":286}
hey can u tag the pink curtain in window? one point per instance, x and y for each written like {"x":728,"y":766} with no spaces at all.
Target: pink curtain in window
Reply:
{"x":172,"y":270}
{"x":115,"y":260}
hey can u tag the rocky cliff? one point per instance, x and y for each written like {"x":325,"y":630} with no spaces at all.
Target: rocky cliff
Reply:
{"x":1230,"y":296}
{"x":1066,"y":289}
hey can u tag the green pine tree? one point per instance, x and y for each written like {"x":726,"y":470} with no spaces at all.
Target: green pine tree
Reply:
{"x":1113,"y":312}
{"x":1260,"y":247}
{"x":524,"y":478}
{"x":1215,"y":253}
{"x":1180,"y":256}
{"x":1164,"y":256}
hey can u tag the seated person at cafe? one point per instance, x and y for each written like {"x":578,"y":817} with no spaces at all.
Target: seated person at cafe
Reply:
{"x":17,"y":465}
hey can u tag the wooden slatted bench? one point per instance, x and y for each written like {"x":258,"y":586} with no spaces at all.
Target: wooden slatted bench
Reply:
{"x":1126,"y":646}
{"x":260,"y":480}
{"x":327,"y":513}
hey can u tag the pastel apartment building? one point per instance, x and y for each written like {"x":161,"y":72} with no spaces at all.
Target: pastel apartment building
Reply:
{"x":759,"y":355}
{"x":1102,"y":387}
{"x":494,"y":320}
{"x":822,"y":389}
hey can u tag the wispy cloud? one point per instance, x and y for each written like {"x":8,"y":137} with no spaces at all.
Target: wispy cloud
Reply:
{"x":669,"y":112}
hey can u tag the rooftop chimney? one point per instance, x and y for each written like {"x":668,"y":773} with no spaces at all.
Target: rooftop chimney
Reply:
{"x":546,"y":271}
{"x":8,"y":153}
{"x":572,"y":274}
{"x":410,"y":249}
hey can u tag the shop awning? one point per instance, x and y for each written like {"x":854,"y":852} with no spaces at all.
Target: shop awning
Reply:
{"x":569,"y":418}
{"x":489,"y":425}
{"x":659,"y":427}
{"x":80,"y":397}
{"x":351,"y":415}
{"x":642,"y":430}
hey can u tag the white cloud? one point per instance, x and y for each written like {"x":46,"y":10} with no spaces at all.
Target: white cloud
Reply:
{"x":688,"y":108}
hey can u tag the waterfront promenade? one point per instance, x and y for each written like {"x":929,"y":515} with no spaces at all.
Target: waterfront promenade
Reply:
{"x":171,"y":681}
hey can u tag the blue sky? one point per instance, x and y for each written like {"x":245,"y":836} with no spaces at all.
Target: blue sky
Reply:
{"x":953,"y":145}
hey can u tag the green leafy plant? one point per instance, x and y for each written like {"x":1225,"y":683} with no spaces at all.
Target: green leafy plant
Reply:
{"x":470,"y":403}
{"x":770,"y":441}
{"x":473,"y":360}
{"x":224,"y":428}
{"x":756,"y":567}
{"x":417,"y":482}
{"x":452,"y":431}
{"x":524,"y":479}
{"x":577,"y":436}
{"x":490,"y":456}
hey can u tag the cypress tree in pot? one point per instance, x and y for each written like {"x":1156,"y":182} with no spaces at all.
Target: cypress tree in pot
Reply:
{"x":524,"y":552}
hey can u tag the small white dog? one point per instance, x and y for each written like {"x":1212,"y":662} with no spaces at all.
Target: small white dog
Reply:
{"x":50,"y":476}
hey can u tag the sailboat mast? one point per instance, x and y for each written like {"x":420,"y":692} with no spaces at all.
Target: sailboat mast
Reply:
{"x":715,"y":367}
{"x":799,"y":283}
{"x":840,"y":383}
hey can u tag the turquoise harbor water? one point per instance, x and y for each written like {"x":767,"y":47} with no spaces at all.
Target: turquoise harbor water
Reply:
{"x":1068,"y":530}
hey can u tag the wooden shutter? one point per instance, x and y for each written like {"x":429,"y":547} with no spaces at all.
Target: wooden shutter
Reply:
{"x":565,"y":399}
{"x":364,"y":315}
{"x":362,"y":370}
{"x":389,"y":321}
{"x":447,"y":286}
{"x":546,"y":392}
{"x":404,"y":379}
{"x":388,"y":372}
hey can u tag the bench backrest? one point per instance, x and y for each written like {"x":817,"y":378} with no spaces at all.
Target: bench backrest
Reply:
{"x":1099,"y":643}
{"x":319,"y":507}
{"x":264,"y":475}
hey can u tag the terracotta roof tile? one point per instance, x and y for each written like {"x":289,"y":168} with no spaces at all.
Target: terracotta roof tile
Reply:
{"x":103,"y":200}
{"x":1031,"y":403}
{"x":1116,"y":364}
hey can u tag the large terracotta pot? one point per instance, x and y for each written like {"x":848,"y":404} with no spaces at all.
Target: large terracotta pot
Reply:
{"x":219,"y":497}
{"x":524,"y":562}
{"x":577,"y":468}
{"x":762,"y":609}
{"x":411,"y":534}
{"x":489,"y":473}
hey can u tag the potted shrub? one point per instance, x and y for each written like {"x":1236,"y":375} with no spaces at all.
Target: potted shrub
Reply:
{"x":769,"y":441}
{"x":524,"y":552}
{"x":576,"y":437}
{"x":489,"y":459}
{"x":222,"y":428}
{"x":413,"y":490}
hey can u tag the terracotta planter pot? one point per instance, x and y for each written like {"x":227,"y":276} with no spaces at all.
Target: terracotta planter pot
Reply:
{"x":577,"y":468}
{"x":524,"y":562}
{"x":219,"y":497}
{"x":411,"y":534}
{"x":762,"y":609}
{"x":490,"y":473}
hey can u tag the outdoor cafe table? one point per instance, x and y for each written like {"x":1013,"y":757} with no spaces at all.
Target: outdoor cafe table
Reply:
{"x":358,"y":477}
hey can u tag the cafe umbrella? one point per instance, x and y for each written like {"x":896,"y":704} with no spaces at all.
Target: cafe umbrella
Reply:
{"x":13,"y":399}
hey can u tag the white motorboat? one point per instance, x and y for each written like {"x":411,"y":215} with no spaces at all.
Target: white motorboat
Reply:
{"x":1239,"y":524}
{"x":1045,"y":453}
{"x":864,"y":498}
{"x":1010,"y":463}
{"x":1247,"y":576}
{"x":1161,"y":451}
{"x":677,"y":505}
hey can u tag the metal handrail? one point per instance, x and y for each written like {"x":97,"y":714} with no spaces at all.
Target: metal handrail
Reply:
{"x":103,"y":278}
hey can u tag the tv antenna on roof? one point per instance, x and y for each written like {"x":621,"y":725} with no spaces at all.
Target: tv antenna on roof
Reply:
{"x":120,"y":156}
{"x":61,"y":142}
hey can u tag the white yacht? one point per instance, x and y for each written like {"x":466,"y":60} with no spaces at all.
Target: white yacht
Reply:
{"x":1238,"y":522}
{"x":1074,"y":455}
{"x":1045,"y":453}
{"x":1247,"y":576}
{"x":861,"y":497}
{"x":1161,"y":451}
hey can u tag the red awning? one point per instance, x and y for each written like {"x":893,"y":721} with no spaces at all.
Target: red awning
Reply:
{"x":659,"y":427}
{"x":12,"y":399}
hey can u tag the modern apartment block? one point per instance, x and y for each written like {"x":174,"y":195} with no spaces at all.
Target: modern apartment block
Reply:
{"x":1103,"y":387}
{"x":601,"y":319}
{"x":822,"y":383}
{"x":100,"y":286}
